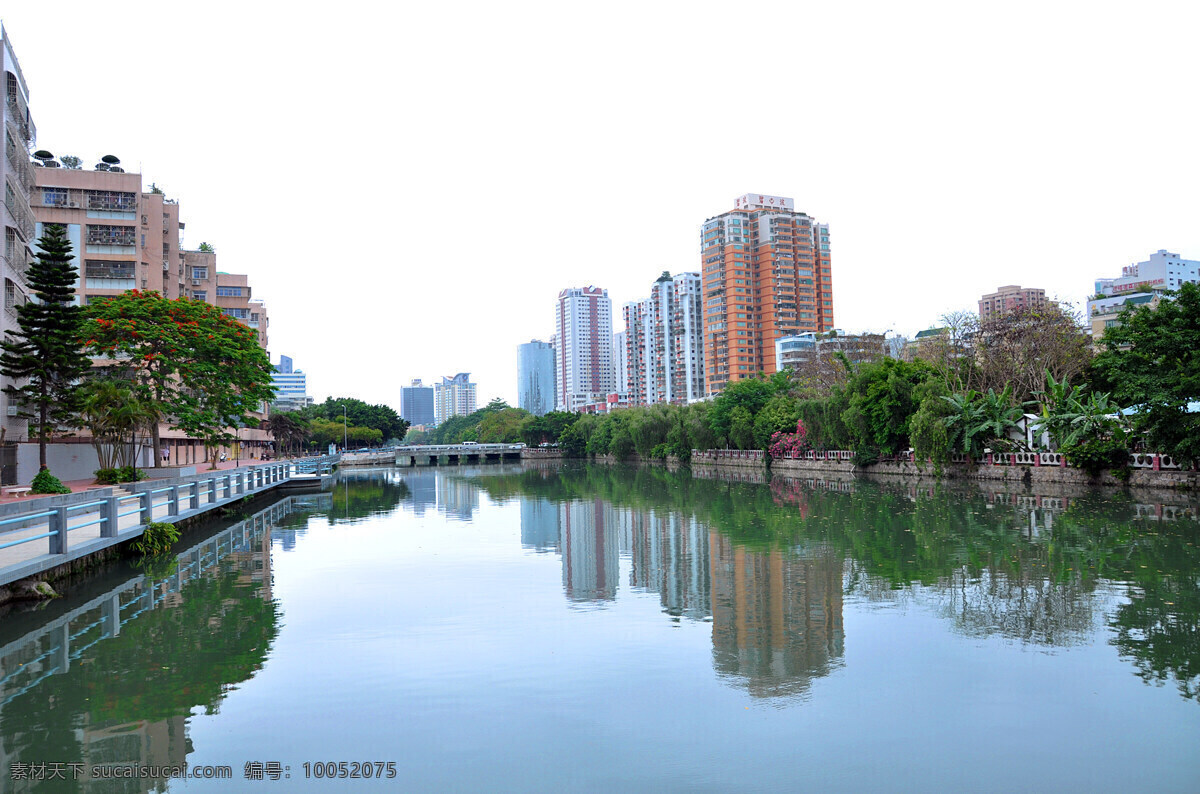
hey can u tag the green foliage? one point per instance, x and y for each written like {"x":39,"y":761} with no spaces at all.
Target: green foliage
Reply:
{"x":44,"y":353}
{"x":749,"y":395}
{"x":71,"y":162}
{"x":621,"y":447}
{"x":115,"y":412}
{"x":928,"y":430}
{"x":158,"y":538}
{"x":118,"y":475}
{"x":45,"y":482}
{"x":207,"y":248}
{"x":1098,"y":454}
{"x":1152,"y":361}
{"x":378,"y":417}
{"x":741,"y":427}
{"x":879,"y":400}
{"x":660,"y":452}
{"x":575,"y":438}
{"x":497,"y":420}
{"x":779,"y":415}
{"x":547,"y":429}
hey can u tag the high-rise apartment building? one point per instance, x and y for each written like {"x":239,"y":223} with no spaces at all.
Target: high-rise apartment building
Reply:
{"x":664,"y":342}
{"x":416,"y":403}
{"x":766,"y":274}
{"x":620,"y":363}
{"x":1142,"y":283}
{"x":453,"y":397}
{"x":583,"y":347}
{"x":20,"y":135}
{"x":1010,"y":299}
{"x":535,"y":377}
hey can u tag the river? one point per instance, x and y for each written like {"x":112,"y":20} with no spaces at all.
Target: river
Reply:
{"x":595,"y":628}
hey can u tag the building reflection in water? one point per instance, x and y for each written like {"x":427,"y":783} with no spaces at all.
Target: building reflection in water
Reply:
{"x":776,"y":614}
{"x":590,"y":550}
{"x":539,"y":525}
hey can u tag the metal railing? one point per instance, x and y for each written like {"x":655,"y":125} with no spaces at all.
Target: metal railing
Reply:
{"x":55,"y":522}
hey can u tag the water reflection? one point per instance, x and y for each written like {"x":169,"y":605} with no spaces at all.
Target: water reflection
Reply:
{"x":113,"y":679}
{"x":770,"y":565}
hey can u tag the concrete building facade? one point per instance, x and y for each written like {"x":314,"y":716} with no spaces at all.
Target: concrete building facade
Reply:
{"x":664,"y":342}
{"x":1011,"y":298}
{"x":767,"y":273}
{"x":1142,"y":283}
{"x":535,"y":377}
{"x":453,"y":397}
{"x":584,"y":371}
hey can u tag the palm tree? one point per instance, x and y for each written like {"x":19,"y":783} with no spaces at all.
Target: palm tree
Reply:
{"x":114,"y":412}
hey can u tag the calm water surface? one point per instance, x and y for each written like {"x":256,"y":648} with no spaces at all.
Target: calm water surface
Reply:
{"x":604,"y":629}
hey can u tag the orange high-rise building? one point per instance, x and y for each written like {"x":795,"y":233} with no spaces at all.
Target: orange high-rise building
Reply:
{"x":766,"y":274}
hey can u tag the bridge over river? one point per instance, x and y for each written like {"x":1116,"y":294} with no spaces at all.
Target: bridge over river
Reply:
{"x":455,"y":454}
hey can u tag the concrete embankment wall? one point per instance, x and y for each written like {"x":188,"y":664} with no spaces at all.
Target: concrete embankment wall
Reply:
{"x":1173,"y":479}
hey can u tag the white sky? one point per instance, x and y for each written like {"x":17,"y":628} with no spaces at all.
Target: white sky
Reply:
{"x":409,"y":185}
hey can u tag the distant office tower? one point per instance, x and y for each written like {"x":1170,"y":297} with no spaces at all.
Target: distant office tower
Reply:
{"x":664,"y":342}
{"x":291,"y":386}
{"x":766,"y":275}
{"x":584,"y":366}
{"x":416,"y":403}
{"x":453,"y":397}
{"x":1010,"y":299}
{"x":535,"y":377}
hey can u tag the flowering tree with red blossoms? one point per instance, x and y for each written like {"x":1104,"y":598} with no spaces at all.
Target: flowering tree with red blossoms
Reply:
{"x":202,"y":369}
{"x":790,"y":445}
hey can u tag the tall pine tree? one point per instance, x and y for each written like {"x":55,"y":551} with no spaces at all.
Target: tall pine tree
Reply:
{"x":45,"y":356}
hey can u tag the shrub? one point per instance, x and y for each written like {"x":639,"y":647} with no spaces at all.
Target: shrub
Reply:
{"x":45,"y":482}
{"x":157,"y":539}
{"x":1098,"y":454}
{"x":659,"y":452}
{"x":114,"y":476}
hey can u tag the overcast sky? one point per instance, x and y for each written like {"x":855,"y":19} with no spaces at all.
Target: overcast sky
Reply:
{"x":409,"y":185}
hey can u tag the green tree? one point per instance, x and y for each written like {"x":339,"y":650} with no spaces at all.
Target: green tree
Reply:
{"x":45,"y":350}
{"x":1151,"y":361}
{"x":207,"y":248}
{"x":779,"y":415}
{"x":71,"y":162}
{"x":202,"y":369}
{"x":115,"y":413}
{"x":741,"y":428}
{"x":289,"y":431}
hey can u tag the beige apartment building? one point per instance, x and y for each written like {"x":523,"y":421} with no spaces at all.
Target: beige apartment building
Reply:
{"x":125,"y":238}
{"x":1011,"y":298}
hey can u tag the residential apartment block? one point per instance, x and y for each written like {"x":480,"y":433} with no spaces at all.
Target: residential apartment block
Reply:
{"x":766,"y":274}
{"x":1010,"y":299}
{"x":20,"y":135}
{"x":584,"y":371}
{"x":664,"y":343}
{"x":453,"y":397}
{"x":1142,"y":283}
{"x":535,"y":377}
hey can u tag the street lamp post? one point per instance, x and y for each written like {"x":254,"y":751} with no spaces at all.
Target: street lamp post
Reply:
{"x":345,"y":430}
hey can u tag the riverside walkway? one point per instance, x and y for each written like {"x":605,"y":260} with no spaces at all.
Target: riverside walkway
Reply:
{"x":37,"y":535}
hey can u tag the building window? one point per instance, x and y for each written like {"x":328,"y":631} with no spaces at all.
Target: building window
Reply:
{"x":200,"y":296}
{"x":241,"y":314}
{"x":229,"y":292}
{"x":54,"y":196}
{"x":94,"y":268}
{"x":110,"y":235}
{"x":201,"y":273}
{"x":112,"y":200}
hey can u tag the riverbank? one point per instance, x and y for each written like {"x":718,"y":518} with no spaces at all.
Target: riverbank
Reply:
{"x":1026,"y":468}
